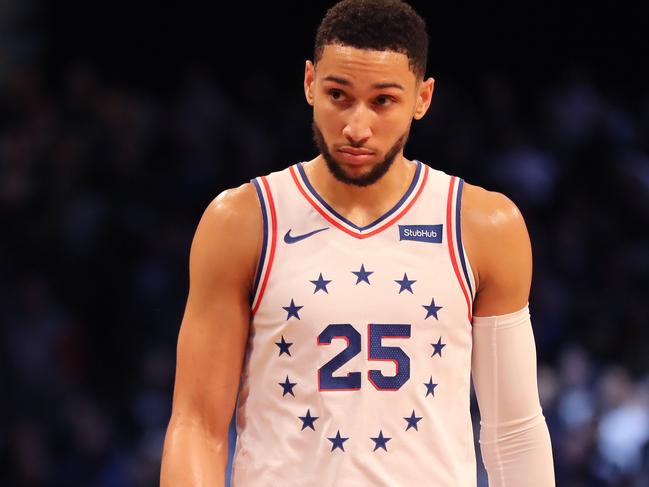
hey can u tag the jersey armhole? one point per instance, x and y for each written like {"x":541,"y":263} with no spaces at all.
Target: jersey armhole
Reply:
{"x":469,"y":273}
{"x":464,"y":258}
{"x":269,"y":241}
{"x":455,"y":246}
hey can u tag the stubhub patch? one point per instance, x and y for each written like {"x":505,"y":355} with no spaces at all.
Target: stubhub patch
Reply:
{"x":421,"y":233}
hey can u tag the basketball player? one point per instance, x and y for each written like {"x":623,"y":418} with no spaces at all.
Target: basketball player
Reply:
{"x":343,"y":303}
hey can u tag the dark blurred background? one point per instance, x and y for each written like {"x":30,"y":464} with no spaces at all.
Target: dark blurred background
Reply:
{"x":120,"y":122}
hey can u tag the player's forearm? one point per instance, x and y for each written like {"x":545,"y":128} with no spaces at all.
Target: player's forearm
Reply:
{"x":518,"y":454}
{"x":514,"y":438}
{"x":193,"y":457}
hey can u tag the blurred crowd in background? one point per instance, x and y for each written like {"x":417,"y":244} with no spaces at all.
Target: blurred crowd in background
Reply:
{"x":102,"y":185}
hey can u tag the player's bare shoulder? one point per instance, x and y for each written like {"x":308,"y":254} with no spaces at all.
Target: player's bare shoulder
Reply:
{"x":489,"y":210}
{"x":493,"y":232}
{"x":229,"y":234}
{"x":239,"y":206}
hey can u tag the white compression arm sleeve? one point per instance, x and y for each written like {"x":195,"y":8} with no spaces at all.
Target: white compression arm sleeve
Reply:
{"x":514,"y":437}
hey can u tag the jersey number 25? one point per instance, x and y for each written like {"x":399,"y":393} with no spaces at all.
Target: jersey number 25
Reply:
{"x":375,"y":351}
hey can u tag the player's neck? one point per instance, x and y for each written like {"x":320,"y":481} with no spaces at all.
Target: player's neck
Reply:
{"x":361,"y":204}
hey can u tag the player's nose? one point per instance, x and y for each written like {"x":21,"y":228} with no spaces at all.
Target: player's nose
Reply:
{"x":358,"y":127}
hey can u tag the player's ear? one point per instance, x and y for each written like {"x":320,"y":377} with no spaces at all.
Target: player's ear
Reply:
{"x":424,"y":97}
{"x":309,"y":79}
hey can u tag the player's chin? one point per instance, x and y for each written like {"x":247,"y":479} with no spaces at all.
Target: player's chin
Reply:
{"x":356,"y":171}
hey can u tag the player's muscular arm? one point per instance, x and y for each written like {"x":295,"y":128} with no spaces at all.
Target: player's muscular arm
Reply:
{"x":212,"y":339}
{"x":498,"y":246}
{"x":514,"y":438}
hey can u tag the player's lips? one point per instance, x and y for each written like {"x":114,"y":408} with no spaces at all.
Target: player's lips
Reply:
{"x":355,"y":156}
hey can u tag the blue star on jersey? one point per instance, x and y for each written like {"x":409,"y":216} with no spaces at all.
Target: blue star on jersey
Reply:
{"x":430,"y":387}
{"x":320,"y":284}
{"x":362,"y":275}
{"x":308,"y":420}
{"x":292,"y":310}
{"x":405,"y":284}
{"x":431,"y":309}
{"x":380,"y":441}
{"x":412,"y":421}
{"x":438,"y":347}
{"x":337,"y":441}
{"x":288,"y":387}
{"x":284,"y":347}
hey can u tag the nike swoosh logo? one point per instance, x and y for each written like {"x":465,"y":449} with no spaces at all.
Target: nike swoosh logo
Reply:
{"x":289,"y":239}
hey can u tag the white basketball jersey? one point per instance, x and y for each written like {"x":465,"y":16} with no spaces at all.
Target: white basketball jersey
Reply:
{"x":358,"y":365}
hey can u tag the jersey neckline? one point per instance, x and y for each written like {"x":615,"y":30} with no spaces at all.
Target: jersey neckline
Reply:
{"x":335,"y":218}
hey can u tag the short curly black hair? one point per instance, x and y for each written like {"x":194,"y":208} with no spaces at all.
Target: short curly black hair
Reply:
{"x":382,"y":25}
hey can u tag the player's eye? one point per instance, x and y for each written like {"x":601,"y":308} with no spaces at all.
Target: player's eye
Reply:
{"x":336,"y":95}
{"x":383,"y":100}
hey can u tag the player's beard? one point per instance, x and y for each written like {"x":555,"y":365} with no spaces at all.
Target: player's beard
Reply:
{"x":376,"y":173}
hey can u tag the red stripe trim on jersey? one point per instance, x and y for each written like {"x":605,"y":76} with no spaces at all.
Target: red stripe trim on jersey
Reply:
{"x":273,"y":244}
{"x":345,"y":229}
{"x":451,"y":248}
